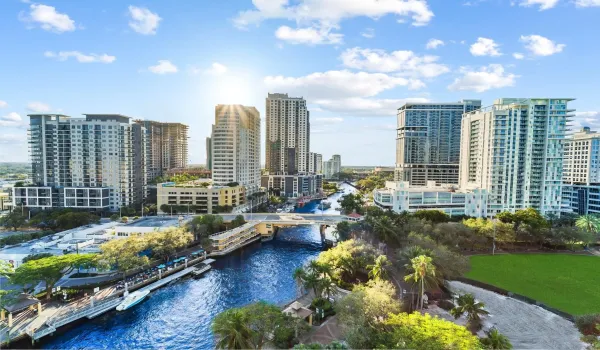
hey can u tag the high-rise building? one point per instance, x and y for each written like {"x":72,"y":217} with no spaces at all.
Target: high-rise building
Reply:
{"x":428,"y":141}
{"x":318,"y":163}
{"x":514,"y":150}
{"x":208,"y":153}
{"x":235,"y":146}
{"x":581,"y":173}
{"x":97,"y":162}
{"x":328,"y":169}
{"x":332,"y":167}
{"x":167,"y":147}
{"x":288,"y":135}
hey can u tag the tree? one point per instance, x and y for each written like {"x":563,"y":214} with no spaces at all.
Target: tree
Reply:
{"x":343,"y":229}
{"x":14,"y":219}
{"x":36,"y":257}
{"x":206,"y":225}
{"x":232,"y":330}
{"x":422,"y":268}
{"x":362,"y":311}
{"x":263,"y":321}
{"x":352,"y":203}
{"x":6,"y":270}
{"x":422,"y":331}
{"x":589,"y":223}
{"x":50,"y":269}
{"x":238,"y":221}
{"x":124,"y":254}
{"x":495,"y":340}
{"x":434,"y":216}
{"x":347,"y":262}
{"x":380,"y":269}
{"x":466,"y":304}
{"x":167,"y":242}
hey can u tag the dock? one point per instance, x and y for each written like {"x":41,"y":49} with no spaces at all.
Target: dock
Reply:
{"x":97,"y":308}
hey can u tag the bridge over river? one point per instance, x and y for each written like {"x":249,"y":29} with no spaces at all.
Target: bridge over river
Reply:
{"x":289,"y":218}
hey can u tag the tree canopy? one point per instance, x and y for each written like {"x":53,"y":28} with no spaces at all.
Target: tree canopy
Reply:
{"x":13,"y":219}
{"x":167,"y":242}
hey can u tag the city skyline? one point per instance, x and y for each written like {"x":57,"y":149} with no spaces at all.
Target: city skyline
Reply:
{"x":167,"y":64}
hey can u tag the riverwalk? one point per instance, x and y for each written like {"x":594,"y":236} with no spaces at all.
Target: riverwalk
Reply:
{"x":56,"y":314}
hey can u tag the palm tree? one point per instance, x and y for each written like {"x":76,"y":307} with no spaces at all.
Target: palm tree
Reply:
{"x":232,"y":330}
{"x":590,"y":223}
{"x":466,"y":304}
{"x":495,"y":340}
{"x":379,"y":270}
{"x":423,"y":268}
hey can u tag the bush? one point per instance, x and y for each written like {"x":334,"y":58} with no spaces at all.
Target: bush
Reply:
{"x":114,"y":217}
{"x":136,"y":217}
{"x":124,"y":219}
{"x":587,"y":324}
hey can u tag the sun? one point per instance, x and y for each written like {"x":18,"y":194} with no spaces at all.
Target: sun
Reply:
{"x":231,"y":90}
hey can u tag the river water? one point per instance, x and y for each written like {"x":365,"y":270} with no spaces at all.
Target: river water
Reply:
{"x":179,"y":316}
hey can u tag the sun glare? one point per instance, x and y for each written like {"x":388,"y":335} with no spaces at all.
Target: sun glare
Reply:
{"x":232,"y":90}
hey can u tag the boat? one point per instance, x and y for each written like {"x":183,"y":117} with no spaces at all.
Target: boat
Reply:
{"x":324,"y":205}
{"x":133,"y":299}
{"x":200,"y":270}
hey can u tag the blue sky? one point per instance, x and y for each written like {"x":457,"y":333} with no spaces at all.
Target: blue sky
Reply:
{"x":355,"y":61}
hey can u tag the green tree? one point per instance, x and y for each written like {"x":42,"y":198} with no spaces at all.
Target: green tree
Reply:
{"x":167,"y":242}
{"x":13,"y":219}
{"x":466,"y":304}
{"x":495,"y":340}
{"x":36,"y":257}
{"x":347,"y":262}
{"x":422,"y":331}
{"x":232,"y":330}
{"x":264,"y":319}
{"x":124,"y":254}
{"x":6,"y":270}
{"x":435,"y":216}
{"x":238,"y":221}
{"x":422,"y":268}
{"x":206,"y":225}
{"x":589,"y":223}
{"x":380,"y":269}
{"x":352,"y":203}
{"x":50,"y":269}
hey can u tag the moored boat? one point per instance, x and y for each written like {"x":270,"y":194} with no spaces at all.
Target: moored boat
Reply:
{"x":133,"y":299}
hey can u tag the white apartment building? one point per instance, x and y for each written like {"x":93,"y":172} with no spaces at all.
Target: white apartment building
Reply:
{"x":235,"y":147}
{"x":318,"y":163}
{"x":288,"y":135}
{"x":514,"y":150}
{"x":400,"y":196}
{"x":333,"y":166}
{"x":581,"y":173}
{"x":96,"y":162}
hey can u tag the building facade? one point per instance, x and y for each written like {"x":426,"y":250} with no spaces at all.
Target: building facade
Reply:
{"x":581,"y":173}
{"x":428,"y":141}
{"x":200,"y":197}
{"x":293,"y":185}
{"x":235,"y":146}
{"x":400,"y":196}
{"x":166,"y":147}
{"x":97,"y":162}
{"x":288,"y":135}
{"x":514,"y":149}
{"x":332,"y":167}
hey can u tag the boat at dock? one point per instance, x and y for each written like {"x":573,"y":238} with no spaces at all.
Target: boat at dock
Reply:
{"x":133,"y":299}
{"x":200,"y":270}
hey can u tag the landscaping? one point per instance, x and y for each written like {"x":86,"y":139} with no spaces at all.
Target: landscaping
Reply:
{"x":562,"y":281}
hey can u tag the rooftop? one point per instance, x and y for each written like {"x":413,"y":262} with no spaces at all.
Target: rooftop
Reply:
{"x":226,"y":234}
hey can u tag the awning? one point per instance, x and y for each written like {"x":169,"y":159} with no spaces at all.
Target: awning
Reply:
{"x":161,"y":266}
{"x":21,"y":302}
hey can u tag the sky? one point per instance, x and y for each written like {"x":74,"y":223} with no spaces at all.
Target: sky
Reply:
{"x":354,"y":61}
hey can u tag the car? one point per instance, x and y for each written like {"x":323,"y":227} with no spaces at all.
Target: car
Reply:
{"x":297,"y":217}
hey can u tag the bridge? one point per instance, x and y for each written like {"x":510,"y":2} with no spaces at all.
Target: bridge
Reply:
{"x":289,"y":218}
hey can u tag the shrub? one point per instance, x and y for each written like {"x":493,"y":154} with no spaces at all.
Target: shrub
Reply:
{"x":587,"y":324}
{"x":124,"y":219}
{"x":114,"y":217}
{"x":136,"y":217}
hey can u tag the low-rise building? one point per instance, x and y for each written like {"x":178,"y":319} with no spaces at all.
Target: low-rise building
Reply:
{"x":5,"y":201}
{"x":199,"y":196}
{"x":293,"y":185}
{"x":228,"y":241}
{"x":400,"y":196}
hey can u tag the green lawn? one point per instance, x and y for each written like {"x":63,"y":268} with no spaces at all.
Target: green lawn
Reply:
{"x":570,"y":283}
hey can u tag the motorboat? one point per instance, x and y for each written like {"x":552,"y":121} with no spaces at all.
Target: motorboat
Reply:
{"x":133,"y":299}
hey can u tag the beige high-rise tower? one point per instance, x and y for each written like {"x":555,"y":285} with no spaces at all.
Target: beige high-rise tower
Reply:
{"x":167,"y":147}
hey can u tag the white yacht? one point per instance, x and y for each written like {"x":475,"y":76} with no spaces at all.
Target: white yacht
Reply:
{"x":132,"y":300}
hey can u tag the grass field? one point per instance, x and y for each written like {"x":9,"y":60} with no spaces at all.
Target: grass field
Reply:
{"x":570,"y":283}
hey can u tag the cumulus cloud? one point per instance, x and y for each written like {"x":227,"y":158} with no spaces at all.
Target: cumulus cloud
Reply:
{"x":518,"y":56}
{"x":488,"y":77}
{"x":433,"y":44}
{"x":405,"y":63}
{"x":358,"y":106}
{"x":215,"y":69}
{"x":588,"y":118}
{"x":543,"y":4}
{"x":163,"y":67}
{"x":143,"y":21}
{"x":368,"y":33}
{"x":48,"y":19}
{"x":337,"y":84}
{"x":3,"y":104}
{"x":541,"y":46}
{"x":80,"y":57}
{"x":12,"y":119}
{"x":485,"y":47}
{"x":310,"y":36}
{"x":587,"y":3}
{"x":38,"y":107}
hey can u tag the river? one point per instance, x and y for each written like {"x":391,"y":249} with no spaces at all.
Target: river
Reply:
{"x":179,"y":316}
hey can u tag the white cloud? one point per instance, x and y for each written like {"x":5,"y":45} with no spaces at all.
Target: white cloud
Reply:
{"x":405,"y":63}
{"x":38,"y":107}
{"x":3,"y":104}
{"x":80,"y":57}
{"x":12,"y":119}
{"x":541,"y":46}
{"x":143,"y":20}
{"x":488,"y":77}
{"x":485,"y":47}
{"x":163,"y":67}
{"x":587,"y":3}
{"x":310,"y":35}
{"x":216,"y":69}
{"x":358,"y":106}
{"x":434,"y":44}
{"x":327,"y":121}
{"x":336,"y":84}
{"x":518,"y":56}
{"x":589,"y":118}
{"x":368,"y":33}
{"x":48,"y":18}
{"x":544,"y":4}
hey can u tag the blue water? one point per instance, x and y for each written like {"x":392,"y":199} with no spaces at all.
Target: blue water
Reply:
{"x":179,"y":316}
